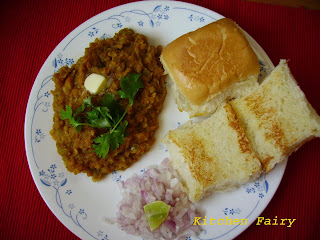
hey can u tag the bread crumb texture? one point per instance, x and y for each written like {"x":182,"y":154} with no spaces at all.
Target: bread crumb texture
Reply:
{"x":213,"y":155}
{"x":277,"y":118}
{"x":244,"y":137}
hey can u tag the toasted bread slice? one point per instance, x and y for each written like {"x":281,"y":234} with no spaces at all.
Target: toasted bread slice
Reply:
{"x":213,"y":155}
{"x":278,"y":118}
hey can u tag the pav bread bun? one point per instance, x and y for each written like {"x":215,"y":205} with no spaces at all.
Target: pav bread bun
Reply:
{"x":213,"y":64}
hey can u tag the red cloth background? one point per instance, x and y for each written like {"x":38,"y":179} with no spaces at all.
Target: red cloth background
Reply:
{"x":30,"y":30}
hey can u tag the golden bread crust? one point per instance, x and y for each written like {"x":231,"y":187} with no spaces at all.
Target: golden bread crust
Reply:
{"x":209,"y":60}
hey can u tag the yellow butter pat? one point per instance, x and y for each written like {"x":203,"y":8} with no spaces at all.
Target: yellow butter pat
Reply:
{"x":95,"y":83}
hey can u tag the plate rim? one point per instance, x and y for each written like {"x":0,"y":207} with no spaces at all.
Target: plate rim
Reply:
{"x":28,"y":122}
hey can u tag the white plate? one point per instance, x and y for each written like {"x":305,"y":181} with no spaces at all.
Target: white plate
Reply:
{"x":82,"y":205}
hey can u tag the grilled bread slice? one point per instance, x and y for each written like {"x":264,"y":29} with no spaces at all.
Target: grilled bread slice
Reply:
{"x":277,"y":118}
{"x":213,"y":155}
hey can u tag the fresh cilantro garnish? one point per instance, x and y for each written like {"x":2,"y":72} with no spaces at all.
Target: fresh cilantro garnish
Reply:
{"x":98,"y":117}
{"x":108,"y":115}
{"x":113,"y":105}
{"x":74,"y":119}
{"x":130,"y":85}
{"x":110,"y":140}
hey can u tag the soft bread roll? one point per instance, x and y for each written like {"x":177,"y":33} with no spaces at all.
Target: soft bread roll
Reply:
{"x":213,"y":155}
{"x":209,"y":66}
{"x":278,"y":118}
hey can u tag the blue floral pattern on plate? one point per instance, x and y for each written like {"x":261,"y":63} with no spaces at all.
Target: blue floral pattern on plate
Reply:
{"x":51,"y":178}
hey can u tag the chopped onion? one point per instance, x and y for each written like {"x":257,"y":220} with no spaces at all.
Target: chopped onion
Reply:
{"x":157,"y":183}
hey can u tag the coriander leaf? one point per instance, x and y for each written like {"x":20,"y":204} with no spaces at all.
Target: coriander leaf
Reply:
{"x":130,"y":85}
{"x":113,"y":105}
{"x":97,"y":120}
{"x":107,"y":100}
{"x":104,"y":111}
{"x":88,"y":101}
{"x":78,"y":124}
{"x":116,"y":115}
{"x":99,"y":123}
{"x":118,"y":135}
{"x":93,"y":114}
{"x":103,"y":146}
{"x":77,"y":117}
{"x":67,"y":114}
{"x":110,"y":140}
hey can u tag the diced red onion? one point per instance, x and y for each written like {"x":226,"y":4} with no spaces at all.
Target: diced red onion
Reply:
{"x":171,"y":225}
{"x":147,"y":197}
{"x":157,"y":183}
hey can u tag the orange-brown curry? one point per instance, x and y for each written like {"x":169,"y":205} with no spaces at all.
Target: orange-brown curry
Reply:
{"x":113,"y":58}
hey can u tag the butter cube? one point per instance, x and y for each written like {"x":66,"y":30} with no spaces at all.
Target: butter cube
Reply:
{"x":95,"y":83}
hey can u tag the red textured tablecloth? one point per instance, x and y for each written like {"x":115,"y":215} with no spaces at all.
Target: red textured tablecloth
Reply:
{"x":30,"y":30}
